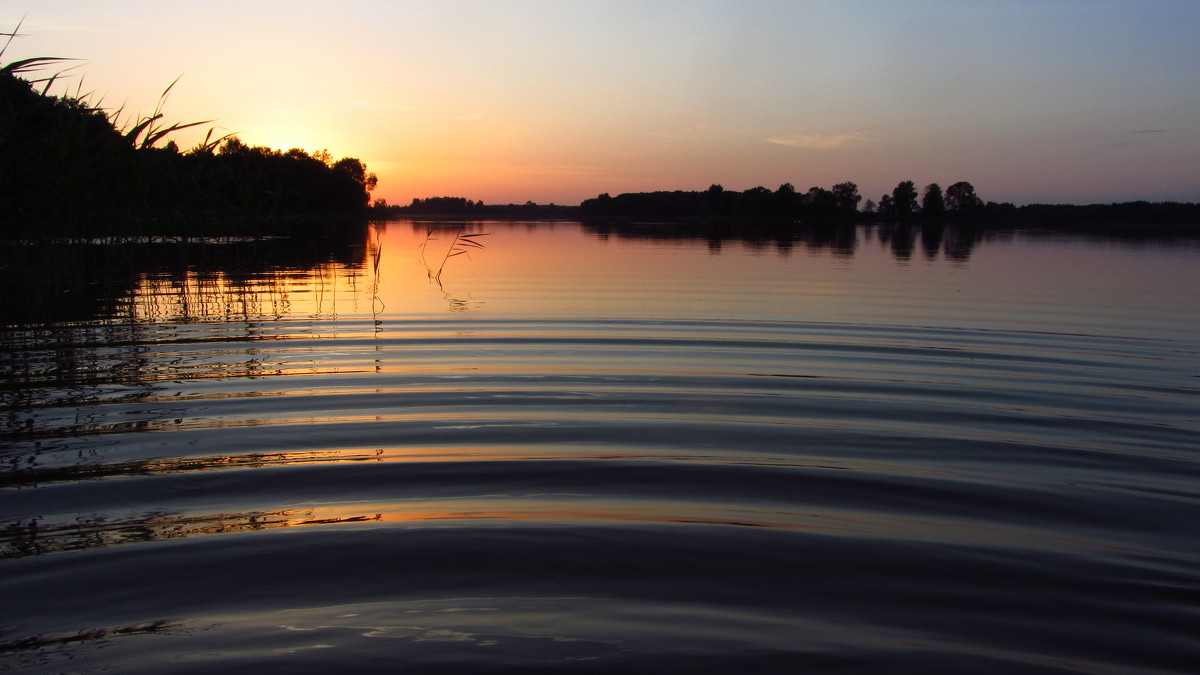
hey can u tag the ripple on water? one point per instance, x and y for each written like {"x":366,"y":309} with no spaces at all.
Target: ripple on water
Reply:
{"x":598,"y":493}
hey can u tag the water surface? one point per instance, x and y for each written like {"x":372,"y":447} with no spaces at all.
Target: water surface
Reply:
{"x":583,"y":448}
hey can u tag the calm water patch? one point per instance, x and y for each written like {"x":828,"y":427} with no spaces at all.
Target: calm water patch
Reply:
{"x":584,"y":448}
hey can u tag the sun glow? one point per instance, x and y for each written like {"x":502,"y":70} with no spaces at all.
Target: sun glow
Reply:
{"x":560,"y":102}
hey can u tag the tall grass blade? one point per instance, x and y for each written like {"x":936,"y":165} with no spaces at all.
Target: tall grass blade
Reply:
{"x":11,"y":36}
{"x":26,"y":65}
{"x":132,"y":134}
{"x":157,"y":134}
{"x":49,"y":83}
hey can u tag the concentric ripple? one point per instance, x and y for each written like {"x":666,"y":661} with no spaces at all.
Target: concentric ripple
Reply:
{"x":583,"y":493}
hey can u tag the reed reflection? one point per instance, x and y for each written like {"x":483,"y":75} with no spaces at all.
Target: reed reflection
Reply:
{"x":43,"y":650}
{"x":33,"y":475}
{"x":445,"y":240}
{"x":89,"y":323}
{"x":22,"y":539}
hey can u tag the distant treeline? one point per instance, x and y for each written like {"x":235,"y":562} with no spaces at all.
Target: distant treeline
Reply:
{"x":461,"y":207}
{"x":817,"y":204}
{"x":66,"y":168}
{"x":841,"y":204}
{"x":1139,"y":213}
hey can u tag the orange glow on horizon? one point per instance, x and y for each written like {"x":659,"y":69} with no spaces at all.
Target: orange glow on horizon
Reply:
{"x":558,"y":102}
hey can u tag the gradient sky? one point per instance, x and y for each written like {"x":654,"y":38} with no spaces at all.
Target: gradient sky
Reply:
{"x":1065,"y":101}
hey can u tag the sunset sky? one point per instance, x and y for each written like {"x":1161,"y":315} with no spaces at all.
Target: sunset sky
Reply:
{"x":1065,"y":101}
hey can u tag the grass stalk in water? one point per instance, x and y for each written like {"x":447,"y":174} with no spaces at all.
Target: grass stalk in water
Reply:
{"x":461,"y":244}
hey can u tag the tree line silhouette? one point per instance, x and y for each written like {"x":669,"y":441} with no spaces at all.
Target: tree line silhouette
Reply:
{"x":67,"y":167}
{"x":716,"y":202}
{"x":841,"y":205}
{"x":1131,"y":217}
{"x":837,"y":204}
{"x":957,"y":204}
{"x":461,"y":207}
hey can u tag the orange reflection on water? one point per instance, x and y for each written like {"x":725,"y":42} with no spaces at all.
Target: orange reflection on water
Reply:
{"x":428,"y":268}
{"x":328,"y":290}
{"x":398,"y":270}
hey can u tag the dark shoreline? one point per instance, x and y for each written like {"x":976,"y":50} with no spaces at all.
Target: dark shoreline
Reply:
{"x":704,"y":223}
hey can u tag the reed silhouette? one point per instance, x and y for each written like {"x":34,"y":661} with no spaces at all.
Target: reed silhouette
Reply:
{"x":71,"y":168}
{"x":461,"y":243}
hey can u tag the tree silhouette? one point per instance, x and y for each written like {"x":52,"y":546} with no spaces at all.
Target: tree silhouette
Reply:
{"x":887,"y":209}
{"x":904,"y":199}
{"x":716,"y":201}
{"x":846,"y":196}
{"x":787,"y":201}
{"x":820,"y":204}
{"x":357,"y":171}
{"x":961,"y":200}
{"x":933,"y":205}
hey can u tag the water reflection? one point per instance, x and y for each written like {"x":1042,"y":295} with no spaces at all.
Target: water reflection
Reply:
{"x":133,"y":282}
{"x":931,"y":239}
{"x":807,"y":427}
{"x":62,"y":282}
{"x":100,"y":321}
{"x":33,"y":538}
{"x":840,"y":240}
{"x":33,"y":475}
{"x":79,"y":316}
{"x":42,"y":650}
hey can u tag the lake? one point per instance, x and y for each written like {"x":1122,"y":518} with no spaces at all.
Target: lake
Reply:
{"x":588,"y":448}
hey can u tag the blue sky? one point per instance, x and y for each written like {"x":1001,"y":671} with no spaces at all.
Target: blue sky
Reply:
{"x":1054,"y":101}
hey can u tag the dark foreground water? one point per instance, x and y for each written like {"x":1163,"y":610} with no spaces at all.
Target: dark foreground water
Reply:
{"x":592,"y":450}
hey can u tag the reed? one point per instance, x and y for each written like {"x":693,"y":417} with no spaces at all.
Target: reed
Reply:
{"x":141,"y":133}
{"x":71,"y":168}
{"x":461,"y":243}
{"x":150,"y":130}
{"x":27,"y":65}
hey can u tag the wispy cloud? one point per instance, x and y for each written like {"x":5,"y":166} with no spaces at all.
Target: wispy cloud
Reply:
{"x":819,"y":141}
{"x":1139,"y":141}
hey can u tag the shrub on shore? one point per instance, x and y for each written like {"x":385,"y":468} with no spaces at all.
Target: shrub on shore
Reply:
{"x":68,"y":169}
